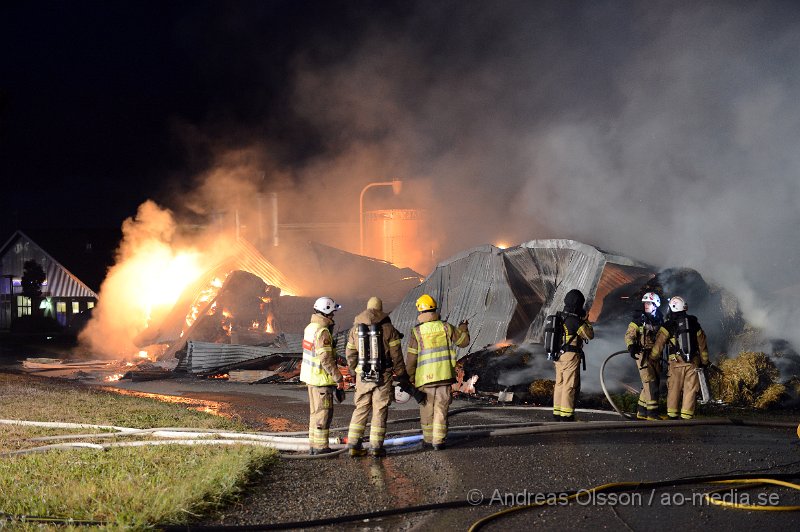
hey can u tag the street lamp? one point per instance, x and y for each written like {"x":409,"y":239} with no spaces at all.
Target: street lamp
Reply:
{"x":397,"y":186}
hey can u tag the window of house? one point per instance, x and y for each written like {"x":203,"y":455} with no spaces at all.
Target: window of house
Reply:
{"x":76,"y":307}
{"x":61,"y":312}
{"x":90,"y":304}
{"x":23,"y":306}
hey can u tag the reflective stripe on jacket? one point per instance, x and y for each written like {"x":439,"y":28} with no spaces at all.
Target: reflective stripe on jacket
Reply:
{"x":311,"y":370}
{"x":436,"y":360}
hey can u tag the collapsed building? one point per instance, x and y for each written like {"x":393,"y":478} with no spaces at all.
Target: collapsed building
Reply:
{"x":506,"y":294}
{"x":247,"y":313}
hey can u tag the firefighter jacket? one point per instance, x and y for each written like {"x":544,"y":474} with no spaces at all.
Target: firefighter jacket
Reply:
{"x":431,"y":359}
{"x":642,"y":331}
{"x":576,"y":331}
{"x":667,"y":335}
{"x":319,"y":356}
{"x":393,"y":356}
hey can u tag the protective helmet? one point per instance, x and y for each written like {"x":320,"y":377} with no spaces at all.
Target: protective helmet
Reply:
{"x":375,"y":303}
{"x":400,"y":396}
{"x":425,"y":302}
{"x":326,"y":305}
{"x":651,"y":297}
{"x":574,"y":301}
{"x":677,"y":304}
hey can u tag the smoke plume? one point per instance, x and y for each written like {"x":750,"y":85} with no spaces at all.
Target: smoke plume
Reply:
{"x":663,"y":131}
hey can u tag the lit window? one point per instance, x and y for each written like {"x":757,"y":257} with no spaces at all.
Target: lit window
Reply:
{"x":61,"y":312}
{"x":90,"y":304}
{"x":76,"y":307}
{"x":23,"y":306}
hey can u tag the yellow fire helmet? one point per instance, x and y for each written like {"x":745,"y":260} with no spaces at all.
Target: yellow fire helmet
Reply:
{"x":425,"y":302}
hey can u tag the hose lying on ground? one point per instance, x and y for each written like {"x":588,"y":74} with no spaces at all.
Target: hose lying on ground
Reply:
{"x":464,"y":503}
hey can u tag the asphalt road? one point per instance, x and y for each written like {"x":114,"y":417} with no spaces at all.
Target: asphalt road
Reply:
{"x":507,"y":471}
{"x":501,"y":472}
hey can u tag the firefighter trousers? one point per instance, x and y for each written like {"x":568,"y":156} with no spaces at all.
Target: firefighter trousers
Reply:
{"x":651,"y":383}
{"x":568,"y":384}
{"x":682,"y":388}
{"x":433,"y":414}
{"x":371,"y":396}
{"x":320,"y":402}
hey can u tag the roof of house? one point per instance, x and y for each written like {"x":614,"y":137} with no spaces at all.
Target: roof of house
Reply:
{"x":86,"y":253}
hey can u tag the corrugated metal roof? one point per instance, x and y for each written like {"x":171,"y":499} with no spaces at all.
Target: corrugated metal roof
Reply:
{"x":60,"y":281}
{"x":205,"y":357}
{"x":508,"y":293}
{"x":244,"y":256}
{"x":614,"y":276}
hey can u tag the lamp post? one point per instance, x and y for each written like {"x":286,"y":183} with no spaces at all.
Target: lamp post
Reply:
{"x":397,"y":186}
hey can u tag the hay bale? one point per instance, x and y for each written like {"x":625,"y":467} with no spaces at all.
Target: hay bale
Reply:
{"x":747,"y":380}
{"x":541,"y":390}
{"x":772,"y":396}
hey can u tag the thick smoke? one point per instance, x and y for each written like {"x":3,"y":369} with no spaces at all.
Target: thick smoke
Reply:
{"x":663,"y":131}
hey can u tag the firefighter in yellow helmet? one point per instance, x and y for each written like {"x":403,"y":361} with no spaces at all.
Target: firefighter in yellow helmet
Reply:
{"x":639,"y":338}
{"x":577,"y":330}
{"x":687,"y":350}
{"x":372,"y":329}
{"x":431,"y":362}
{"x":320,"y":373}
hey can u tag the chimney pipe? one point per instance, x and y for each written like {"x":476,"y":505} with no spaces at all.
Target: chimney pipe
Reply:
{"x":274,"y":201}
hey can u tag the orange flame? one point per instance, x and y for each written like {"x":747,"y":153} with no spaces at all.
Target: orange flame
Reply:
{"x":114,"y":378}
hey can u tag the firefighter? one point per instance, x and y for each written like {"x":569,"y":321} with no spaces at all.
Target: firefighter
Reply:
{"x":320,"y":373}
{"x":373,"y":391}
{"x":639,"y":338}
{"x":577,"y":330}
{"x":431,"y":363}
{"x":687,"y":349}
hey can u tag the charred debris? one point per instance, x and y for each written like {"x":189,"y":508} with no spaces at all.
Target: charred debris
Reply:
{"x":238,"y":322}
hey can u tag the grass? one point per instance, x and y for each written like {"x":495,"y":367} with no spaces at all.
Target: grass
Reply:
{"x":130,"y":487}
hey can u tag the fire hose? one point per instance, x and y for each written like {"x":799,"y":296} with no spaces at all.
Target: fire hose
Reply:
{"x":605,"y":390}
{"x":780,"y":479}
{"x":486,"y":431}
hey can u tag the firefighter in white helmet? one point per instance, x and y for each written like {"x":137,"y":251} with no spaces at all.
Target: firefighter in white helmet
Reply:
{"x":577,"y":330}
{"x":639,"y":339}
{"x":320,"y":373}
{"x":372,"y":329}
{"x":687,"y":349}
{"x":431,"y":363}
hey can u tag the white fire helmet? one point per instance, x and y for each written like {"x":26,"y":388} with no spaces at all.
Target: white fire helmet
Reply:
{"x":651,"y":297}
{"x":326,"y":305}
{"x":400,"y":396}
{"x":677,"y":304}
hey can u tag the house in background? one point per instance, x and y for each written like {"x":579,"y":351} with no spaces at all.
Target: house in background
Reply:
{"x":66,"y":293}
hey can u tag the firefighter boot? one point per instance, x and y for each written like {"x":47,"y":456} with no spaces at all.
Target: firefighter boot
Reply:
{"x":356,"y":451}
{"x":377,"y":452}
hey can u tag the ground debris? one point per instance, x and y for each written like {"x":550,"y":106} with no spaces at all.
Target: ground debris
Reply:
{"x":749,"y":380}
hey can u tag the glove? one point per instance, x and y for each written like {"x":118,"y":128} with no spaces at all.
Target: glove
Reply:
{"x":339,"y":395}
{"x":632,"y":350}
{"x":419,"y":396}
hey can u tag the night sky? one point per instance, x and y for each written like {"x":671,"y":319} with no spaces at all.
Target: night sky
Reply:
{"x":663,"y":130}
{"x":102,"y":102}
